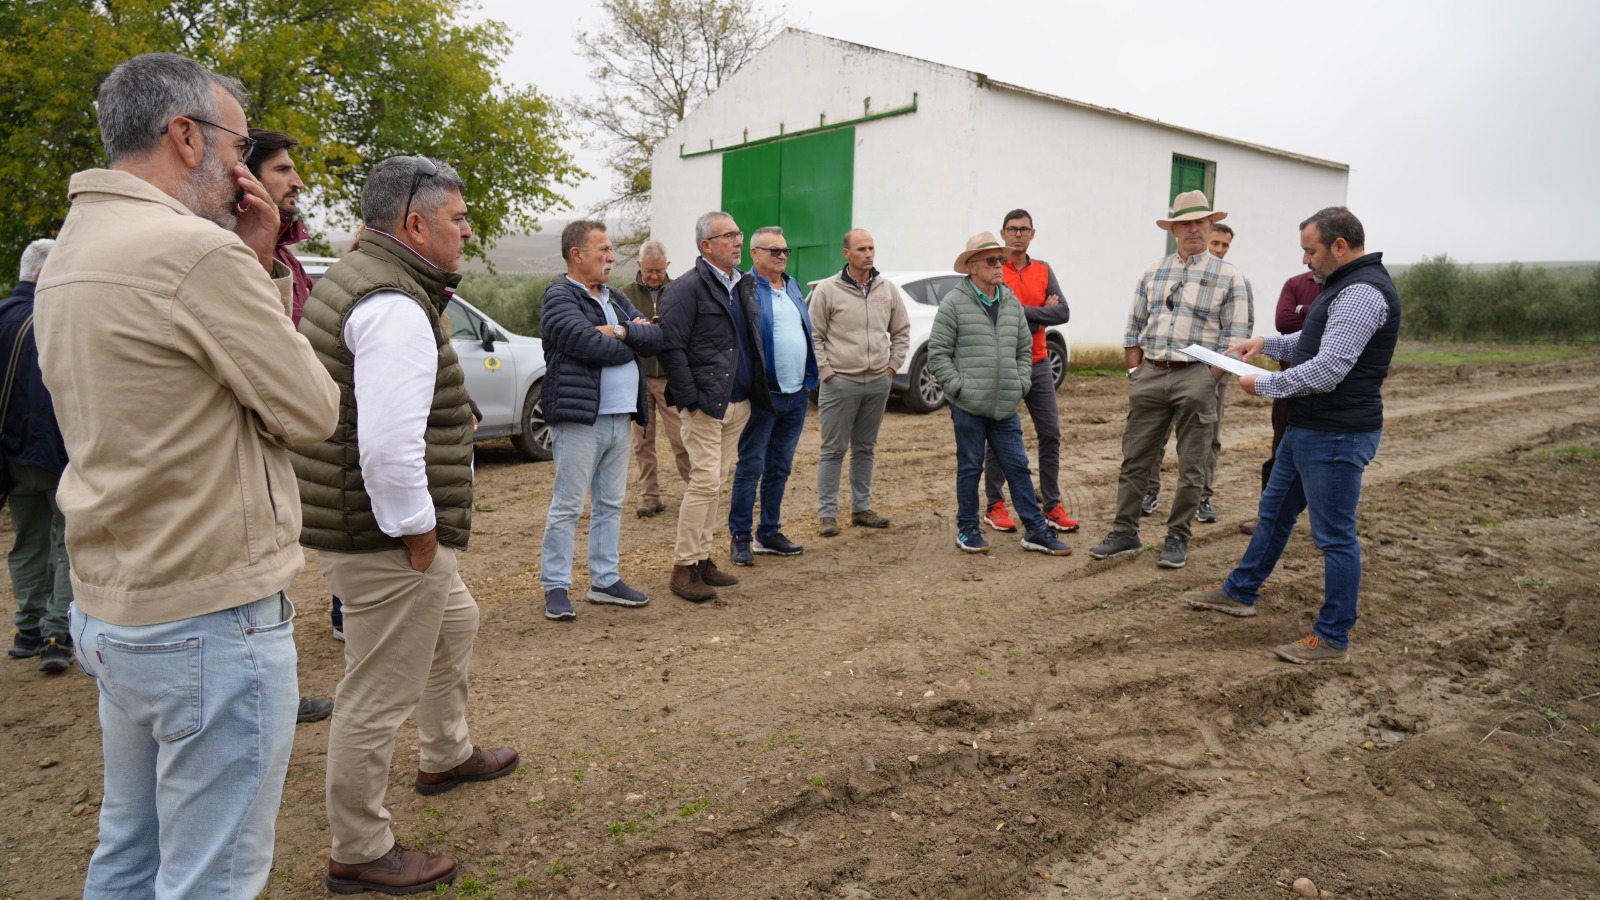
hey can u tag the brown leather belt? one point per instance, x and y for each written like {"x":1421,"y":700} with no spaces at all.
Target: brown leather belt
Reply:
{"x":1165,"y":364}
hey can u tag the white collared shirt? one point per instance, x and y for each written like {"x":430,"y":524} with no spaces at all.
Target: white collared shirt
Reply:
{"x":396,"y":365}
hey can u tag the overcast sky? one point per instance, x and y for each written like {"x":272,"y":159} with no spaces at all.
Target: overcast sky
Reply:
{"x":1470,"y":127}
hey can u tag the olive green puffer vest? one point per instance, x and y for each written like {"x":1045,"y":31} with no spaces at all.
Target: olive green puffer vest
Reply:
{"x":337,"y":510}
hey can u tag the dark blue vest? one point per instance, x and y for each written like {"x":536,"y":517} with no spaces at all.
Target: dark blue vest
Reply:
{"x":1357,"y":403}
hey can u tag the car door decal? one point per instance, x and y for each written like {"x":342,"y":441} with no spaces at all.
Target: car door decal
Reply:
{"x":492,"y":363}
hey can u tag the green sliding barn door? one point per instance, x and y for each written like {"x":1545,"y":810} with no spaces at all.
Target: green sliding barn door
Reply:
{"x":804,"y":186}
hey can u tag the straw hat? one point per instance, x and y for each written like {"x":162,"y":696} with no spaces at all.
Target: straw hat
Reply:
{"x":983,"y":240}
{"x":1187,"y":207}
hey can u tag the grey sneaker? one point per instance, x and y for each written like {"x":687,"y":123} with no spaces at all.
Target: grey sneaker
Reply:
{"x":617,"y":593}
{"x":313,"y":709}
{"x":1116,"y":544}
{"x":55,"y":656}
{"x":828,"y":526}
{"x":1205,"y":513}
{"x":1147,"y":506}
{"x":1212,"y":596}
{"x":558,"y":606}
{"x":1312,"y":650}
{"x":739,"y":553}
{"x":1174,"y":553}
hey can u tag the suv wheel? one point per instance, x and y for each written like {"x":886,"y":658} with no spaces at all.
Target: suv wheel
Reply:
{"x":533,"y":441}
{"x":925,"y":394}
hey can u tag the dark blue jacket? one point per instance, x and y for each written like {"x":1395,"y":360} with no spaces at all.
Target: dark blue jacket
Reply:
{"x":575,"y":351}
{"x":701,"y":356}
{"x":1356,"y":404}
{"x":790,"y":289}
{"x":32,"y":437}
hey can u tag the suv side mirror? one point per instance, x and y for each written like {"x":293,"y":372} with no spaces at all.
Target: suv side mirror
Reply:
{"x":490,"y":335}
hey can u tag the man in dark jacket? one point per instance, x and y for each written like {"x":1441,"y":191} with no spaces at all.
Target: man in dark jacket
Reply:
{"x":1335,"y":390}
{"x":593,"y":386}
{"x":645,"y":293}
{"x":715,"y":370}
{"x":35,"y":458}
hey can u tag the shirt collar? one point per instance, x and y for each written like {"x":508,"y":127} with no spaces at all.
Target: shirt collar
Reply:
{"x":586,"y":290}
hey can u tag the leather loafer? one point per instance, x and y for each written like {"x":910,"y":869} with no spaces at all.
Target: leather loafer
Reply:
{"x":400,"y":871}
{"x":482,"y":765}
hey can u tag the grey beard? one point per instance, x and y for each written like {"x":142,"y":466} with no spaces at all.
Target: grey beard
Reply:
{"x":209,"y":190}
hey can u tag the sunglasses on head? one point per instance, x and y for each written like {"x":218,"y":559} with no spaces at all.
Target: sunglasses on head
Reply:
{"x":425,"y":169}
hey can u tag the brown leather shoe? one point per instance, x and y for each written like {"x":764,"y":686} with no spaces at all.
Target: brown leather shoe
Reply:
{"x":400,"y":871}
{"x":828,"y":526}
{"x":649,"y":509}
{"x":869,"y":519}
{"x":482,"y":765}
{"x":686,"y":583}
{"x":710,"y":574}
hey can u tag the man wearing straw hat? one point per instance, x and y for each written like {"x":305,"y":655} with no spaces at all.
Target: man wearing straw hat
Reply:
{"x":1190,"y":297}
{"x":981,"y":351}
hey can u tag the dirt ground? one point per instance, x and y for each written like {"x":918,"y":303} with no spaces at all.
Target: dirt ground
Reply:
{"x":886,"y":717}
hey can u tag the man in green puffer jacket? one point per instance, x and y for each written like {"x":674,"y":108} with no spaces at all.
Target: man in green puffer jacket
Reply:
{"x":981,"y":351}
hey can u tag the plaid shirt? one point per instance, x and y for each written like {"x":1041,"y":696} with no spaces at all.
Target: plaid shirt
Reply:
{"x":1210,"y":306}
{"x":1354,"y":315}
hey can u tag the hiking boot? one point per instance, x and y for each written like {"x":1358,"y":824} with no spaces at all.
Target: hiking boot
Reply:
{"x":997,"y":518}
{"x":55,"y":656}
{"x":1059,"y":520}
{"x":1248,"y":527}
{"x":868,"y":519}
{"x":313,"y":709}
{"x":1312,"y":650}
{"x":686,"y":583}
{"x":1174,"y":553}
{"x":971,"y":540}
{"x":739,"y":553}
{"x":648,"y":510}
{"x":558,"y":606}
{"x":400,"y":871}
{"x":1212,"y":596}
{"x":1147,"y":506}
{"x":617,"y":593}
{"x":710,"y":574}
{"x":777,"y":545}
{"x":482,"y":765}
{"x":1046,"y":542}
{"x":828,"y":526}
{"x":1116,"y":544}
{"x":28,"y":642}
{"x":1205,"y":513}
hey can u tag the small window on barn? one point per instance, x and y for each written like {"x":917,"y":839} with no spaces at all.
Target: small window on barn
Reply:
{"x":1191,"y":174}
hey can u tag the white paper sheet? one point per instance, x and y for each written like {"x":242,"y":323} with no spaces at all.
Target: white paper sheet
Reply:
{"x":1225,"y":363}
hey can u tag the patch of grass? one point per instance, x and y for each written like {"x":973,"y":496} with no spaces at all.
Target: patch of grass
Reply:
{"x":1529,"y":581}
{"x":690,"y":810}
{"x":1486,"y":521}
{"x":1456,"y":355}
{"x":577,"y":776}
{"x":1098,"y":361}
{"x":468,"y":887}
{"x":818,"y":780}
{"x":558,"y":869}
{"x":1571,"y":452}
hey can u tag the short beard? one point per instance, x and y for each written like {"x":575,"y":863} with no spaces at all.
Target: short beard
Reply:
{"x":209,"y":190}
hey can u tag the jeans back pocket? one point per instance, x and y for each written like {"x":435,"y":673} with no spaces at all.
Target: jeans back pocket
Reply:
{"x":156,"y":685}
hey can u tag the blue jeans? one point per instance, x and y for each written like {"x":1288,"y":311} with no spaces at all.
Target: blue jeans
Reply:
{"x":973,"y":433}
{"x":766,"y":456}
{"x":197,"y":718}
{"x":591,"y":461}
{"x":1319,"y":471}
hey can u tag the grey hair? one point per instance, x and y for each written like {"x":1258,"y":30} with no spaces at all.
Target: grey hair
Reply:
{"x":141,"y":95}
{"x":383,"y":198}
{"x":702,"y":225}
{"x":33,"y":258}
{"x":765,"y":229}
{"x":652,"y":249}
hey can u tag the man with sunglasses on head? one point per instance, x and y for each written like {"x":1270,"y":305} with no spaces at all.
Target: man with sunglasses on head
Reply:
{"x":387,"y":503}
{"x":1190,"y":297}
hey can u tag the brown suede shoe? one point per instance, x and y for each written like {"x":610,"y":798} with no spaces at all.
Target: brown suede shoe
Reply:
{"x":710,"y":574}
{"x":400,"y":871}
{"x":868,"y":519}
{"x":482,"y":765}
{"x":828,"y":526}
{"x":686,"y":583}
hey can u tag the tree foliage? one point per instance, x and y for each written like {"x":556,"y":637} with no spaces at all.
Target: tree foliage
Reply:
{"x":1444,"y":299}
{"x":654,"y":61}
{"x":354,"y":81}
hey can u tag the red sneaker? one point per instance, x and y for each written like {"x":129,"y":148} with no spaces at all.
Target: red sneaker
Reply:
{"x":997,"y":518}
{"x":1059,"y":520}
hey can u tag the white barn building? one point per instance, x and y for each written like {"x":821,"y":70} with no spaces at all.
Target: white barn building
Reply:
{"x":820,"y":135}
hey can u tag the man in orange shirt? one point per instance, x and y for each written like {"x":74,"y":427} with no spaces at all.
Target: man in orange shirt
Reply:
{"x":1034,"y":283}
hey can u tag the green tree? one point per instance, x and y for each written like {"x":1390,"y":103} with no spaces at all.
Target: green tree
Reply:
{"x":354,"y":81}
{"x":654,"y":61}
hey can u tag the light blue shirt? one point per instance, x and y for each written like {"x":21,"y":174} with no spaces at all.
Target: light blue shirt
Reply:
{"x":619,"y":385}
{"x":789,"y":341}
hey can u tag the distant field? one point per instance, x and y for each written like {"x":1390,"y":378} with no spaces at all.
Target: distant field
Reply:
{"x":522,"y":254}
{"x":1559,"y":267}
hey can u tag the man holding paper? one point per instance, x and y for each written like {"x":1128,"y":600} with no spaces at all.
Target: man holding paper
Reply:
{"x":1341,"y":356}
{"x":1188,"y":298}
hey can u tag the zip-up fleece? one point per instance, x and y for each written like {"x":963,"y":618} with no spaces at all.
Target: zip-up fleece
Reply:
{"x":859,"y":338}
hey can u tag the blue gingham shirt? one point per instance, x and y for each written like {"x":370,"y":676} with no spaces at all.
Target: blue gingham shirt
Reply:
{"x":1210,"y":307}
{"x":1354,"y":315}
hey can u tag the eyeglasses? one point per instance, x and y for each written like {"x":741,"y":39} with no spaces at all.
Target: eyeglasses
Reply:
{"x":1177,"y":288}
{"x":1016,"y":230}
{"x":775,"y":251}
{"x":736,"y":235}
{"x":425,"y":169}
{"x":993,"y":260}
{"x":244,"y":152}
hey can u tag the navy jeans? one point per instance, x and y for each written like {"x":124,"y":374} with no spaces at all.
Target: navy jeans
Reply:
{"x":766,"y":455}
{"x":973,"y":433}
{"x":1318,"y":471}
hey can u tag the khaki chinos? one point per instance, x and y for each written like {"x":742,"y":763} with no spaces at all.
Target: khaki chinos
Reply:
{"x":644,"y":441}
{"x":713,"y":447}
{"x":394,"y":616}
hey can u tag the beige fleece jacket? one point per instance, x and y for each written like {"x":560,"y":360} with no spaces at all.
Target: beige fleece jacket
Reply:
{"x":859,"y":338}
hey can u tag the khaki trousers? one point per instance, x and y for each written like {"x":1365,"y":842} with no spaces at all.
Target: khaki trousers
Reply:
{"x":1160,"y":400}
{"x":644,"y":441}
{"x":407,"y":646}
{"x":713,"y":447}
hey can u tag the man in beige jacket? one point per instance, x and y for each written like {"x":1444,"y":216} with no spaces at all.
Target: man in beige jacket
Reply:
{"x":178,"y":379}
{"x":861,"y":332}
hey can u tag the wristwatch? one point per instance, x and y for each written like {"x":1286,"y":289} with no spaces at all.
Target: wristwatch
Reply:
{"x":621,"y":330}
